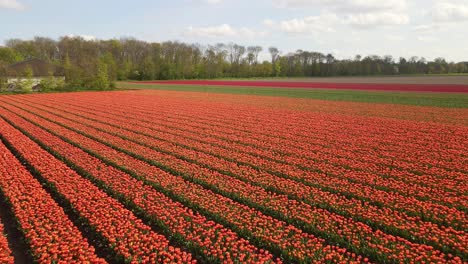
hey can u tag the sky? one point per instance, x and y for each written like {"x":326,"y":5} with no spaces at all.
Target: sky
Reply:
{"x":424,"y":28}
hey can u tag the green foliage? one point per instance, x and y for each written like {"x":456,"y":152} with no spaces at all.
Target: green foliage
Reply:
{"x":147,"y":70}
{"x":123,"y":70}
{"x":27,"y":85}
{"x":60,"y":83}
{"x":52,"y":83}
{"x":99,"y":63}
{"x":24,"y":85}
{"x":101,"y":78}
{"x":112,"y":69}
{"x":72,"y":74}
{"x":48,"y":84}
{"x":25,"y":82}
{"x":3,"y":84}
{"x":9,"y":56}
{"x":94,"y":73}
{"x":28,"y":49}
{"x":28,"y":73}
{"x":277,"y":69}
{"x":3,"y":79}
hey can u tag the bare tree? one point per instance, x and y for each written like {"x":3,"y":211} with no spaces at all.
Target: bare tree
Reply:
{"x":253,"y":52}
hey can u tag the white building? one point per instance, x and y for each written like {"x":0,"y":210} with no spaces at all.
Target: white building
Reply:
{"x":30,"y":73}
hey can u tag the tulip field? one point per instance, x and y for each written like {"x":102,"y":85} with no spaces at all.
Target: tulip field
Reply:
{"x":159,"y":176}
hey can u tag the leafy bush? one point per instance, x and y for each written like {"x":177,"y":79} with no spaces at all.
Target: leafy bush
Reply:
{"x":51,"y":83}
{"x":3,"y":84}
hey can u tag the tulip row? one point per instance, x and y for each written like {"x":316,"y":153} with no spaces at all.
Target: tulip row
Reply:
{"x":5,"y":251}
{"x":406,"y":226}
{"x":325,"y":152}
{"x":287,"y":105}
{"x":424,"y":193}
{"x":228,"y":120}
{"x":449,"y":215}
{"x":270,"y":232}
{"x":350,"y":207}
{"x":51,"y":236}
{"x":390,"y":161}
{"x":213,"y":239}
{"x":125,"y":234}
{"x":228,"y":152}
{"x":329,"y":128}
{"x":336,"y":225}
{"x":293,"y":157}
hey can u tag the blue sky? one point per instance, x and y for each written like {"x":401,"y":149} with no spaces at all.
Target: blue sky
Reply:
{"x":431,"y":28}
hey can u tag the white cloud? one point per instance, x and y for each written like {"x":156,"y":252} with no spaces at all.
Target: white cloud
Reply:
{"x":223,"y":30}
{"x":363,"y":14}
{"x":11,"y":4}
{"x":445,"y":16}
{"x":322,"y":23}
{"x":250,"y":33}
{"x":449,"y":12}
{"x":328,"y":22}
{"x":88,"y":37}
{"x":85,"y":37}
{"x":358,"y":6}
{"x":369,"y":20}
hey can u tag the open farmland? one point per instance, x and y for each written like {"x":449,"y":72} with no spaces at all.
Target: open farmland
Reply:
{"x":384,"y":86}
{"x":440,"y":91}
{"x":185,"y":176}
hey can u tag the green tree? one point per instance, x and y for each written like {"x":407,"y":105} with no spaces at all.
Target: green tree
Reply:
{"x":277,"y":68}
{"x":123,"y":70}
{"x":9,"y":56}
{"x":27,"y":49}
{"x":26,"y":81}
{"x":112,"y":69}
{"x":51,"y":83}
{"x":129,"y":58}
{"x":101,"y":78}
{"x":147,"y":70}
{"x":3,"y":79}
{"x":73,"y":78}
{"x":274,"y":52}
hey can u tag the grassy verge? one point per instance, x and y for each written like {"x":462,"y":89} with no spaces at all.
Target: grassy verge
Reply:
{"x":450,"y":100}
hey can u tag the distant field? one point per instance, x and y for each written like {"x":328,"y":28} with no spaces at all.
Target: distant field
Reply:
{"x":370,"y":86}
{"x":461,"y":79}
{"x":454,"y":100}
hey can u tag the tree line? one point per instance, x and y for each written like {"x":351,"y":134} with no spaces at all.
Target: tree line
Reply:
{"x":98,"y":63}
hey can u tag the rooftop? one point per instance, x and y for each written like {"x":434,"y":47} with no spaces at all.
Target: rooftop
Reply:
{"x":39,"y":68}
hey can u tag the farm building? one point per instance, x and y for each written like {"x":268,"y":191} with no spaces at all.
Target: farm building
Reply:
{"x":29,"y":74}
